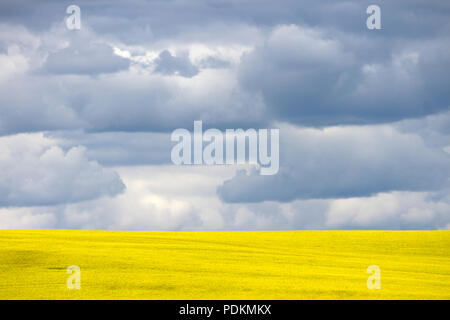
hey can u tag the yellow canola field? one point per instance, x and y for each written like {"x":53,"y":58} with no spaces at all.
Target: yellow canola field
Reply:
{"x":224,"y":265}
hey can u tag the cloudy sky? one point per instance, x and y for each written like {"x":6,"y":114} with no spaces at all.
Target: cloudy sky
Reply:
{"x":86,"y":115}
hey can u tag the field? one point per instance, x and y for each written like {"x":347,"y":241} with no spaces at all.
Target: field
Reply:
{"x":224,"y":265}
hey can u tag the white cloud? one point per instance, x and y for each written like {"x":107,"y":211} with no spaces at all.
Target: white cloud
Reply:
{"x":12,"y":64}
{"x":397,"y":210}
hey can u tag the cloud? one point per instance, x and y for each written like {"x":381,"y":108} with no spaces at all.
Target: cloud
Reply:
{"x":434,"y":129}
{"x":85,"y":59}
{"x":343,"y":162}
{"x":148,"y":21}
{"x":23,"y":218}
{"x":404,"y":210}
{"x":109,"y":95}
{"x":159,"y":201}
{"x":312,"y":77}
{"x":118,"y":148}
{"x":189,"y":203}
{"x":12,"y":64}
{"x":167,"y":64}
{"x":27,"y":105}
{"x":132,"y":101}
{"x":298,"y":74}
{"x":47,"y":90}
{"x":212,"y":63}
{"x":35,"y":172}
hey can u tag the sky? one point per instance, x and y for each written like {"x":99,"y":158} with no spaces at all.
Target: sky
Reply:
{"x":86,"y":115}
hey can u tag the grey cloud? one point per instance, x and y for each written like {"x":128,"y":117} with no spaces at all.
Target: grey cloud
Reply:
{"x":124,"y":102}
{"x":384,"y":211}
{"x":269,"y":215}
{"x":85,"y":59}
{"x":27,"y":105}
{"x":313,"y":63}
{"x":303,"y":75}
{"x":343,"y":163}
{"x":214,"y":63}
{"x":434,"y":129}
{"x":36,"y":100}
{"x":141,"y":20}
{"x":118,"y":148}
{"x":169,"y":65}
{"x":36,"y":172}
{"x":396,"y":210}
